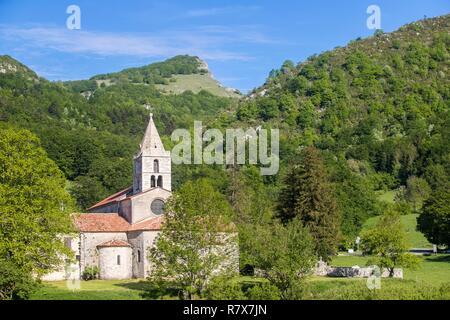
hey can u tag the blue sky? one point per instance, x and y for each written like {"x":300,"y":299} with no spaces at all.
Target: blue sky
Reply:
{"x":241,"y":40}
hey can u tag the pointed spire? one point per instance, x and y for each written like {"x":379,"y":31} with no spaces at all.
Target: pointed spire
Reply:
{"x":151,"y":144}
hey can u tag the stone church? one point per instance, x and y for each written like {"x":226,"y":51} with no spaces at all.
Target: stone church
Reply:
{"x":116,"y":233}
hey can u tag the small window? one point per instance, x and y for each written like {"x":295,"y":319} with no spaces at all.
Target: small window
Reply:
{"x":118,"y":260}
{"x":156,"y":166}
{"x":153,"y":182}
{"x":160,"y":181}
{"x":139,"y":255}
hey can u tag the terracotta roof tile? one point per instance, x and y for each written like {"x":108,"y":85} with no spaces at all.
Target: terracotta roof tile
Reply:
{"x":101,"y":222}
{"x":114,"y":243}
{"x":112,"y":222}
{"x":148,"y":224}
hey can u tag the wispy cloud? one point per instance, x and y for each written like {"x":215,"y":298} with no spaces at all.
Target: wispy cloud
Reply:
{"x":205,"y":12}
{"x":209,"y":42}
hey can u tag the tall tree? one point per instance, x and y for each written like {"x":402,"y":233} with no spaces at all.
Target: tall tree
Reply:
{"x":34,"y":205}
{"x":196,"y":240}
{"x":434,"y":220}
{"x":308,"y":195}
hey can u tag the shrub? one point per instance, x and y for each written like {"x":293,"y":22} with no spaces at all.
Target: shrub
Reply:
{"x":222,"y":288}
{"x":90,"y":273}
{"x":396,"y":44}
{"x":390,"y":290}
{"x":264,"y":291}
{"x":15,"y":282}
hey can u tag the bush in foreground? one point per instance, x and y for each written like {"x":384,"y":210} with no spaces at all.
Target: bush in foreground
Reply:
{"x":15,"y":282}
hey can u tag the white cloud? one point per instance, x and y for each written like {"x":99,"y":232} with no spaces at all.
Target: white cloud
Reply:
{"x":207,"y":42}
{"x":219,"y":10}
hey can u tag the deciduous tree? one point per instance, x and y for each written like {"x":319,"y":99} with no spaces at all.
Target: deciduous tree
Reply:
{"x":387,"y":243}
{"x":195,"y":240}
{"x":285,"y":255}
{"x":34,"y":205}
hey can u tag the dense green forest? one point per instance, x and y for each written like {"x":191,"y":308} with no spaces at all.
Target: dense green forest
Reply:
{"x":376,"y":109}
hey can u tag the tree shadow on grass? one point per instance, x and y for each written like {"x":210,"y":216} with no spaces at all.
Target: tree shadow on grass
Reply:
{"x":149,"y":291}
{"x":439,"y":258}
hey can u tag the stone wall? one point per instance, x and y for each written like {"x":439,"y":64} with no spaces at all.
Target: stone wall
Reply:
{"x":136,"y":239}
{"x":149,"y":241}
{"x":230,"y":251}
{"x":125,"y":210}
{"x":165,"y":168}
{"x":110,"y":208}
{"x":322,"y":269}
{"x":115,"y":263}
{"x":88,"y":246}
{"x":141,"y":204}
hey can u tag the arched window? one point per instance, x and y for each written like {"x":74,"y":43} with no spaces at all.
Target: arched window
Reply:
{"x":160,"y":181}
{"x":118,"y":260}
{"x":156,"y":166}
{"x":139,"y":255}
{"x":153,"y":182}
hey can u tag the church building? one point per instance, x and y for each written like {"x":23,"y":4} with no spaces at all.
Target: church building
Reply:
{"x":116,"y":233}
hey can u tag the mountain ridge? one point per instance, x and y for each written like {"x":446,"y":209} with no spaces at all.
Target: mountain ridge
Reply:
{"x":169,"y":76}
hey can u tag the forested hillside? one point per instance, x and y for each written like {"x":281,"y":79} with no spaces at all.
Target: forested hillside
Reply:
{"x":377,"y":110}
{"x":92,"y":131}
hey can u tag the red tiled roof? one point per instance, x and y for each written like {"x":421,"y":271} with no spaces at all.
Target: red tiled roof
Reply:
{"x":101,"y":222}
{"x":112,"y":222}
{"x":148,"y":224}
{"x":113,"y":198}
{"x":114,"y":243}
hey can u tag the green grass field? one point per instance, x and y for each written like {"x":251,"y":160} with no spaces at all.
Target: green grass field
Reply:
{"x":415,"y":238}
{"x":196,"y":83}
{"x":93,"y":290}
{"x":434,"y":271}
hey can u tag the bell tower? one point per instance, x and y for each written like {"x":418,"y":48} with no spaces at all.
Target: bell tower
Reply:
{"x":152,"y":165}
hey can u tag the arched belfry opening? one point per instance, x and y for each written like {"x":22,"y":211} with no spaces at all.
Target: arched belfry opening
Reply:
{"x":160,"y":181}
{"x":152,"y":182}
{"x":156,"y":166}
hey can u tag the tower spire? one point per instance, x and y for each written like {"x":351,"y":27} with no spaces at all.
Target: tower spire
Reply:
{"x":152,"y":165}
{"x":151,"y":143}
